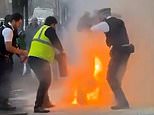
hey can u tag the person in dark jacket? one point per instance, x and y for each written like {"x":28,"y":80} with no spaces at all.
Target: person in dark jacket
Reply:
{"x":30,"y":31}
{"x":117,"y":40}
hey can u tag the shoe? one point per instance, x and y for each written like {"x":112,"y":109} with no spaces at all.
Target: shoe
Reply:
{"x":7,"y":107}
{"x":18,"y":113}
{"x":48,"y":105}
{"x":41,"y":110}
{"x":117,"y":107}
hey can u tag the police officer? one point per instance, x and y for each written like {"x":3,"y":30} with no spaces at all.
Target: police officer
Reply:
{"x":42,"y":52}
{"x":117,"y":40}
{"x":7,"y":49}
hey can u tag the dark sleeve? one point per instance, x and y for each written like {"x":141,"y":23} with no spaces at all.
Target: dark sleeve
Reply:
{"x":51,"y":34}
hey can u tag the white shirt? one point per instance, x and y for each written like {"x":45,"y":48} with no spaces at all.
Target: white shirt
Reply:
{"x":102,"y":26}
{"x":7,"y":34}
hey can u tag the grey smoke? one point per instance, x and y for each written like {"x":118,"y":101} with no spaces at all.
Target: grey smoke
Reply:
{"x":138,"y":15}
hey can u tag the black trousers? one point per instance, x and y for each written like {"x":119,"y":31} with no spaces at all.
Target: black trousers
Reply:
{"x":42,"y":70}
{"x":6,"y":68}
{"x":116,"y":70}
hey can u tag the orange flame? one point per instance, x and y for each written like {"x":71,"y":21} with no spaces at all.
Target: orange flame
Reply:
{"x":89,"y":75}
{"x":98,"y":67}
{"x":75,"y":102}
{"x":94,"y":94}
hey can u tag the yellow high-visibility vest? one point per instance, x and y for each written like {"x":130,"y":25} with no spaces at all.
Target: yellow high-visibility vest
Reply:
{"x":41,"y":46}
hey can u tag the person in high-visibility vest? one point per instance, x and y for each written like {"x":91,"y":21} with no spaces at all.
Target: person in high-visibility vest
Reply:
{"x":42,"y":52}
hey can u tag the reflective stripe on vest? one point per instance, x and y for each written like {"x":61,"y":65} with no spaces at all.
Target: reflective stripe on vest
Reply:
{"x":40,"y":40}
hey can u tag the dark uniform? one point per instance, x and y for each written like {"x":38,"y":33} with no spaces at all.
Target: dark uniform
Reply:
{"x":117,"y":40}
{"x":6,"y":68}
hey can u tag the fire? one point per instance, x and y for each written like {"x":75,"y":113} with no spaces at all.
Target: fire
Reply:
{"x":94,"y":94}
{"x":75,"y":102}
{"x":98,"y":67}
{"x":87,"y":77}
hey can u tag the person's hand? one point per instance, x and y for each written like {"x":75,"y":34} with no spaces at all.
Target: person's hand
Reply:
{"x":24,"y":59}
{"x":23,"y":56}
{"x":23,"y":53}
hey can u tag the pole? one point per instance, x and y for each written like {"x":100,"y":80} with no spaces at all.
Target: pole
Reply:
{"x":26,"y":12}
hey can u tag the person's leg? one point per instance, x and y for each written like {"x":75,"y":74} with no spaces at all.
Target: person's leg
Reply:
{"x":5,"y":85}
{"x":46,"y":102}
{"x":2,"y":77}
{"x":112,"y":78}
{"x":45,"y":81}
{"x":122,"y":68}
{"x":42,"y":70}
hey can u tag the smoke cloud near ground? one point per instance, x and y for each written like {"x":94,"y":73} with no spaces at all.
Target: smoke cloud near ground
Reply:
{"x":138,"y":15}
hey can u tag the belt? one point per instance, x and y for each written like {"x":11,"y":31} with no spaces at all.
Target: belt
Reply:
{"x":123,"y":45}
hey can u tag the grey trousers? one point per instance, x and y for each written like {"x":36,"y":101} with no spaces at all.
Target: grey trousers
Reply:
{"x":42,"y":71}
{"x":116,"y":70}
{"x":6,"y":68}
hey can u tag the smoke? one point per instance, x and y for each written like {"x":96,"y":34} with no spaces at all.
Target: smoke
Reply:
{"x":139,"y":19}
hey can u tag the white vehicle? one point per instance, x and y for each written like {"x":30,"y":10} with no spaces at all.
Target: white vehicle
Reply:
{"x":1,"y":19}
{"x":42,"y":13}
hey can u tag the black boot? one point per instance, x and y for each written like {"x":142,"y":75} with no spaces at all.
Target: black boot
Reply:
{"x":41,"y":110}
{"x":48,"y":105}
{"x":46,"y":102}
{"x":6,"y":106}
{"x":117,"y":107}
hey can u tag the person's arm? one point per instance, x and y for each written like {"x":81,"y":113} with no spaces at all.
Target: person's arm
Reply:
{"x":51,"y":34}
{"x":14,"y":50}
{"x":8,"y":36}
{"x":102,"y":26}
